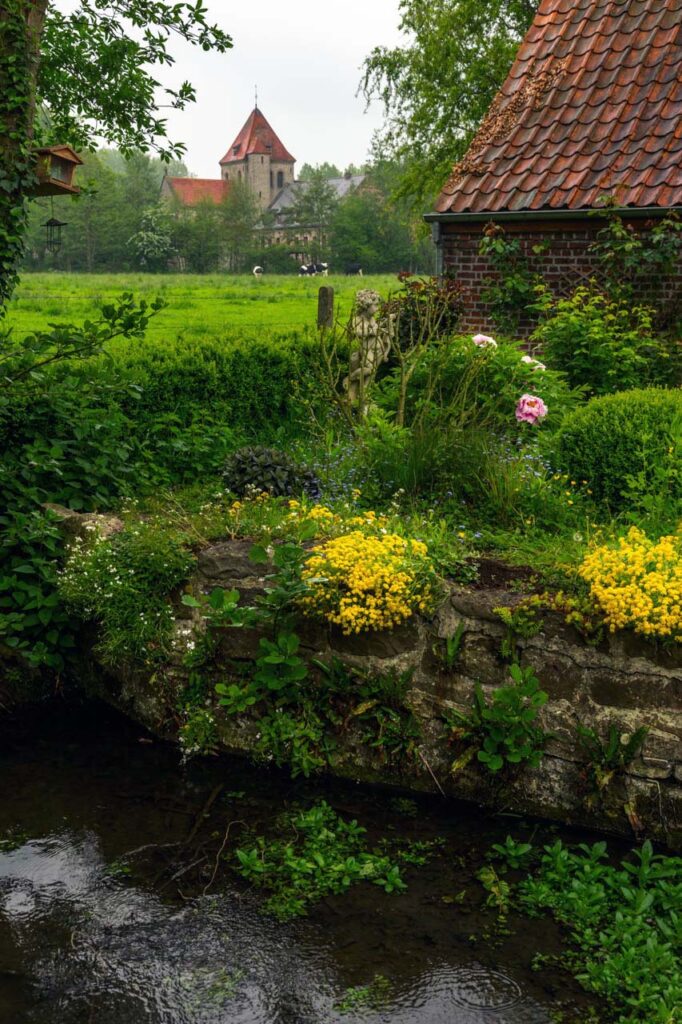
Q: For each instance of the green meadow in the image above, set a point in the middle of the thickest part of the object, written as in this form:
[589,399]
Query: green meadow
[198,305]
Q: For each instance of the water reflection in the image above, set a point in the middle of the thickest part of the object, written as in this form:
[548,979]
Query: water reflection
[83,940]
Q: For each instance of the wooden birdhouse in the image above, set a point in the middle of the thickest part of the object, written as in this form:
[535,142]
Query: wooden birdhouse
[55,170]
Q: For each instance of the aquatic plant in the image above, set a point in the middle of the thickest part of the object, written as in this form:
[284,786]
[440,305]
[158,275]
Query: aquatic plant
[322,854]
[622,925]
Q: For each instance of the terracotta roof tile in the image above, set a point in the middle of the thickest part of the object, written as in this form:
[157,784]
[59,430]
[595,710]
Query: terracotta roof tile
[594,100]
[257,136]
[192,191]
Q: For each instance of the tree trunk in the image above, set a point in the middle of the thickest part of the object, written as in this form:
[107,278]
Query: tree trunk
[21,27]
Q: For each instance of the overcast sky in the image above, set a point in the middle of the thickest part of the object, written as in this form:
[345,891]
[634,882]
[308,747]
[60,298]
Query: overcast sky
[305,57]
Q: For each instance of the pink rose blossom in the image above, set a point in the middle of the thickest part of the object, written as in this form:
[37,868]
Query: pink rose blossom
[530,409]
[483,341]
[535,363]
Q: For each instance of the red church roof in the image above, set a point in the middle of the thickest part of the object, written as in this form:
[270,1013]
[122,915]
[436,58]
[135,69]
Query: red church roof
[257,136]
[592,105]
[193,191]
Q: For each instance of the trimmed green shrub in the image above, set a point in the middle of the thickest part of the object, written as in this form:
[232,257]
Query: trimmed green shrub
[625,442]
[606,345]
[253,384]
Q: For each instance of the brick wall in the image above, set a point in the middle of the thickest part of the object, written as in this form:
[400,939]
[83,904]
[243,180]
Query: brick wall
[566,264]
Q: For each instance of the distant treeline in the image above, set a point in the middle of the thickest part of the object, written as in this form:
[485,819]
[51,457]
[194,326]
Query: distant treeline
[118,223]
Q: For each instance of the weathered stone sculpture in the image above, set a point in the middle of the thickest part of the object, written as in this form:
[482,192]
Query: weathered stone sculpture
[373,345]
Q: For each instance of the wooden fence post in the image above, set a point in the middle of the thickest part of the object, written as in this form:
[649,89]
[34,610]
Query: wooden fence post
[325,307]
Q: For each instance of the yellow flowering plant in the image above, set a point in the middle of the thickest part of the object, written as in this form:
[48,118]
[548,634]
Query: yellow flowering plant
[638,584]
[361,581]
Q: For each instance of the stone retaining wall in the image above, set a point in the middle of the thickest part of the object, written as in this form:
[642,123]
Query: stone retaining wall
[622,682]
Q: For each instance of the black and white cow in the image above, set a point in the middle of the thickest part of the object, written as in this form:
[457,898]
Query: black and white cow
[313,269]
[258,272]
[354,270]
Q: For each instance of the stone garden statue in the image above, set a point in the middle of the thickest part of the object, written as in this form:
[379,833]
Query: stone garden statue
[373,344]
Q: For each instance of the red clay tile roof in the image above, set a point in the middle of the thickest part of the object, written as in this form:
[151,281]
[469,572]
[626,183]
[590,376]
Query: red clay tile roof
[592,105]
[257,136]
[192,191]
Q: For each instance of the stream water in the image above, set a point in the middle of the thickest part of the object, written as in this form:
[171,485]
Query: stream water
[104,919]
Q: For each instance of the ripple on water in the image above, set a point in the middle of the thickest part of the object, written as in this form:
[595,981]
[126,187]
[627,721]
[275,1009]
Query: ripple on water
[486,989]
[466,994]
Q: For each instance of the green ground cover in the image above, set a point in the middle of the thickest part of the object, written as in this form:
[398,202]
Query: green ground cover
[463,439]
[199,306]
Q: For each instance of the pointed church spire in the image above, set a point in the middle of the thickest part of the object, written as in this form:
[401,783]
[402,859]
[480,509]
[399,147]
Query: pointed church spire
[257,136]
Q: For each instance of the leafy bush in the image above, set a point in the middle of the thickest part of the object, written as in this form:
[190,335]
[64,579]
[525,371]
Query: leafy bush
[255,385]
[257,470]
[123,584]
[65,439]
[614,441]
[638,584]
[460,427]
[399,460]
[82,429]
[424,305]
[458,382]
[33,621]
[604,344]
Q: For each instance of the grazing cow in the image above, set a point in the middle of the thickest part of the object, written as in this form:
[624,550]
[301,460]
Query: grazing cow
[258,272]
[354,270]
[313,269]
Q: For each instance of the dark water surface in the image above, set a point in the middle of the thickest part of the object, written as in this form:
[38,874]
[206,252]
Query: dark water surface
[95,822]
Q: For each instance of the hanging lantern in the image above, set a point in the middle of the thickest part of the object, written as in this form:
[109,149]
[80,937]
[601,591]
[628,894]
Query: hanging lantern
[53,234]
[55,170]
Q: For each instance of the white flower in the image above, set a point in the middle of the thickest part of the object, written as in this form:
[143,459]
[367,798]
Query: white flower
[535,363]
[484,341]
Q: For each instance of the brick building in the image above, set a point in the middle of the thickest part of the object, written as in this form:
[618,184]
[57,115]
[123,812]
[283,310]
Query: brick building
[260,159]
[591,107]
[257,157]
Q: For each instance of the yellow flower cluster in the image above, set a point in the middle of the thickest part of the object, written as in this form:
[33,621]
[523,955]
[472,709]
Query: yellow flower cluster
[638,584]
[330,523]
[361,582]
[318,514]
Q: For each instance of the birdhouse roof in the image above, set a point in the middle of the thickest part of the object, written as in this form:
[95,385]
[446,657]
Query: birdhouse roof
[64,152]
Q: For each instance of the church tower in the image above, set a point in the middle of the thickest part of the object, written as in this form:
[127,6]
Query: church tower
[259,158]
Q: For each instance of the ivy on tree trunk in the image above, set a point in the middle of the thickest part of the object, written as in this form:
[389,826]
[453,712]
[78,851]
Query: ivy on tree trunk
[21,26]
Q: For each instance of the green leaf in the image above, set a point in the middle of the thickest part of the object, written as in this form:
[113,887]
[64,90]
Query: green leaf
[259,555]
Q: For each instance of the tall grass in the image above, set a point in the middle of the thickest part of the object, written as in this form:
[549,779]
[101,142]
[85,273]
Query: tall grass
[206,305]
